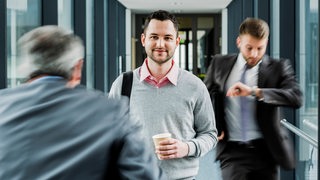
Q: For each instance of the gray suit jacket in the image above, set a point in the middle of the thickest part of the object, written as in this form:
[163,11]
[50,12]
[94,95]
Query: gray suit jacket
[280,88]
[48,131]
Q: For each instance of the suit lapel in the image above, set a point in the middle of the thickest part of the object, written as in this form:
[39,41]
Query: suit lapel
[263,71]
[227,67]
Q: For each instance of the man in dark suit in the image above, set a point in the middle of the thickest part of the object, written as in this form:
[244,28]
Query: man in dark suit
[247,90]
[53,128]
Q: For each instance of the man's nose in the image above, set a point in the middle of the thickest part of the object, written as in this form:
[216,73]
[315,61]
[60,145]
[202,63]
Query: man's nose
[254,53]
[160,42]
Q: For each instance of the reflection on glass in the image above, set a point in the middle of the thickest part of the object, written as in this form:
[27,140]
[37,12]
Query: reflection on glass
[22,16]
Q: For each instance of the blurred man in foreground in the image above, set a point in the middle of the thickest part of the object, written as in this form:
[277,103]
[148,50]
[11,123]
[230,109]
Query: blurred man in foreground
[53,128]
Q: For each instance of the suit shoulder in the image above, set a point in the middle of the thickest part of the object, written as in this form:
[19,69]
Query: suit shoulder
[225,56]
[222,58]
[273,59]
[283,61]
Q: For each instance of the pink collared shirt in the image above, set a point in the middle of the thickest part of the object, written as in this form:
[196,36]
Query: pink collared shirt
[171,76]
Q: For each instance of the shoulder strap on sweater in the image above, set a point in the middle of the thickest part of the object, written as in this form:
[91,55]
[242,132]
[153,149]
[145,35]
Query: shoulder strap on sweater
[127,83]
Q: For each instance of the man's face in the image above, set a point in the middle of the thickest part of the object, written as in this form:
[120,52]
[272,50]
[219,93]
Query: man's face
[252,48]
[160,40]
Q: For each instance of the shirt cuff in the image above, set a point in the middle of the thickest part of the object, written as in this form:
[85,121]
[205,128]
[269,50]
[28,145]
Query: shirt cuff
[192,148]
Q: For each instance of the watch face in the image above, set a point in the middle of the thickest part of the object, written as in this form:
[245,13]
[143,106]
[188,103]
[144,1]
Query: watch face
[253,91]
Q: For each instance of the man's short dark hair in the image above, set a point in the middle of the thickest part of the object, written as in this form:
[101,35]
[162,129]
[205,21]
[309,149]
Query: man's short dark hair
[161,15]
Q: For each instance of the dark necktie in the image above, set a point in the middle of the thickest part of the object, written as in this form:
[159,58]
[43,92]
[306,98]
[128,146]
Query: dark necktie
[244,106]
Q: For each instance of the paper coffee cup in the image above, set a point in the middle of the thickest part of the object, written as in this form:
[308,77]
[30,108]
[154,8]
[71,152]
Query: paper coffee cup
[160,137]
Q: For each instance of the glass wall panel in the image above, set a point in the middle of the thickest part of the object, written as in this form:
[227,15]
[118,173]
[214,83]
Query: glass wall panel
[22,16]
[65,14]
[275,29]
[307,61]
[90,44]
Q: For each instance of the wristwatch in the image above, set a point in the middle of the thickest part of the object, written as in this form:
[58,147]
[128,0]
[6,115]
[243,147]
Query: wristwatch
[253,91]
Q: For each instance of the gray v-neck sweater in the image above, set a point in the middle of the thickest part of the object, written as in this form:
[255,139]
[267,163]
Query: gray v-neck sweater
[184,110]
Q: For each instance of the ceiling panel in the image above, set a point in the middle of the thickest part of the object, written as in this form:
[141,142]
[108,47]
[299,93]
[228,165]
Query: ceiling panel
[176,6]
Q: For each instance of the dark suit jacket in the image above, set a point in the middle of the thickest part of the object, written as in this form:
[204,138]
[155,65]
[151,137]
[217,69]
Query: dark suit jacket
[279,87]
[48,131]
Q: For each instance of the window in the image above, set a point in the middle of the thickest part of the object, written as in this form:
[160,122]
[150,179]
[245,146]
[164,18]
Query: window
[65,14]
[307,64]
[90,44]
[22,16]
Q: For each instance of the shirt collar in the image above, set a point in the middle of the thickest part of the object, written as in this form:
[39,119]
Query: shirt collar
[48,78]
[172,75]
[241,62]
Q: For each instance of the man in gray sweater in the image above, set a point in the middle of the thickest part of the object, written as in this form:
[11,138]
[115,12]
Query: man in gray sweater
[166,98]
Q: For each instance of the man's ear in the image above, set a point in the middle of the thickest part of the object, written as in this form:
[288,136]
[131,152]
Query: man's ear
[76,74]
[178,40]
[238,42]
[142,38]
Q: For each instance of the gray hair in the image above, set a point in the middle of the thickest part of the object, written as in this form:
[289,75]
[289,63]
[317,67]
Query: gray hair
[49,50]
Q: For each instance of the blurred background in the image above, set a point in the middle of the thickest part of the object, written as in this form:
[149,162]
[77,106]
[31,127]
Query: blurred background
[111,32]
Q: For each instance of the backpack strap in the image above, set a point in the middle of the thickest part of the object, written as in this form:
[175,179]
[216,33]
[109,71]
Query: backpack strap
[127,83]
